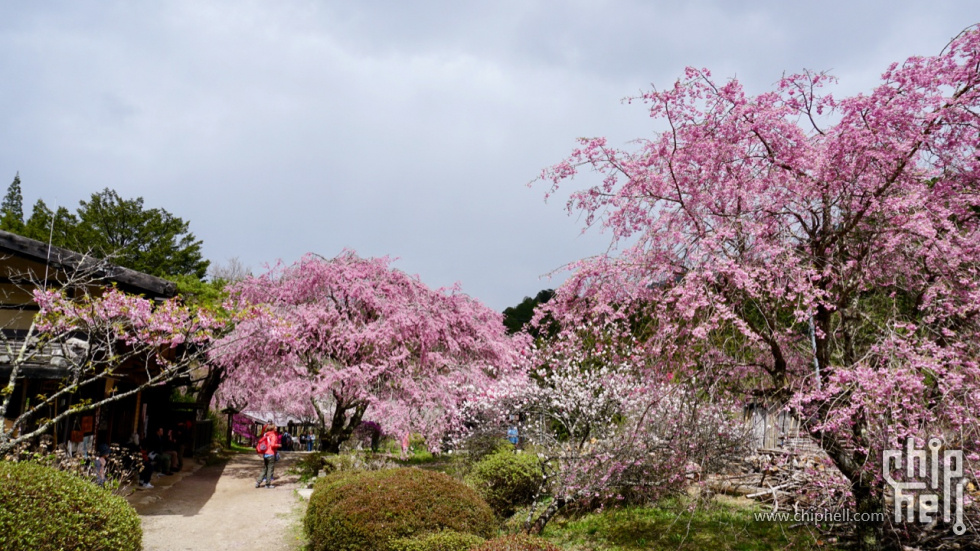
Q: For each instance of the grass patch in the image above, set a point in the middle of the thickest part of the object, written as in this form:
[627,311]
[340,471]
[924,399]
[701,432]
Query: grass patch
[239,448]
[445,464]
[295,537]
[716,526]
[417,458]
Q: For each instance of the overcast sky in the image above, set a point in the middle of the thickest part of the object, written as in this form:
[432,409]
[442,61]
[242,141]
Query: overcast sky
[401,128]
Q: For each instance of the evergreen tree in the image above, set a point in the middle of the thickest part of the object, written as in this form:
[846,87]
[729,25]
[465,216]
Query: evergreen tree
[12,208]
[152,241]
[39,227]
[517,317]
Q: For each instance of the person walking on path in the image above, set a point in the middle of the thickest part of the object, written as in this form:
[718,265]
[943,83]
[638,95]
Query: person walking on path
[267,447]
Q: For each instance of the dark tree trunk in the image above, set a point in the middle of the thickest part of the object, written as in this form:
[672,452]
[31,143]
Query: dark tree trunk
[556,505]
[210,385]
[341,425]
[870,535]
[821,337]
[322,422]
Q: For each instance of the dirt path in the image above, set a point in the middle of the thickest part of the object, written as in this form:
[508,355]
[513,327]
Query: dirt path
[218,508]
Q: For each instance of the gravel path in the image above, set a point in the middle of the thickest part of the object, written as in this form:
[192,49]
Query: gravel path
[217,508]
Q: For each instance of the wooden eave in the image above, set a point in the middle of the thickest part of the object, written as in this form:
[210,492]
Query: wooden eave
[67,261]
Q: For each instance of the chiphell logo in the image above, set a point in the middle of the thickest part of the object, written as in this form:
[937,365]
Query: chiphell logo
[926,482]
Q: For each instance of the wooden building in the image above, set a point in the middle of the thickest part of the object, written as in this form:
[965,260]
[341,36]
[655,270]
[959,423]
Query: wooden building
[26,264]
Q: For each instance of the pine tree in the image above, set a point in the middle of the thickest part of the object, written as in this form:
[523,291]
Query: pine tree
[12,208]
[152,241]
[39,226]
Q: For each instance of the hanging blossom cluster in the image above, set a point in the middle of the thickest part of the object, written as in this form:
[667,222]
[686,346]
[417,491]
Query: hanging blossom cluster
[347,338]
[93,336]
[909,388]
[819,252]
[124,318]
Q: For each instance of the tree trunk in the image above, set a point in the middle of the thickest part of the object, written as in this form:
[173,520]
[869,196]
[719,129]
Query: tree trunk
[870,535]
[210,385]
[821,323]
[556,505]
[322,423]
[342,426]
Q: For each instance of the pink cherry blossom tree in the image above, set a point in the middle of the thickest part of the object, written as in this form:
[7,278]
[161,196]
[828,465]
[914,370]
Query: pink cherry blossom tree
[821,252]
[349,337]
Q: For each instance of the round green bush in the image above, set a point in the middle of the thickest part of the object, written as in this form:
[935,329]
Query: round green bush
[446,540]
[481,445]
[518,542]
[368,511]
[506,480]
[45,509]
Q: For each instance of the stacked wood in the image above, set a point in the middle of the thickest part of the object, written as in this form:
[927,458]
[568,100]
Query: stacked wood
[779,478]
[798,481]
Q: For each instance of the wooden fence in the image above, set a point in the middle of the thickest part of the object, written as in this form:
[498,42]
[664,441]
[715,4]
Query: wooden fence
[772,428]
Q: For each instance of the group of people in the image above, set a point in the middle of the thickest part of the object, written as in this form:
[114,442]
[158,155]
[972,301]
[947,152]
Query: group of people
[308,441]
[305,441]
[162,451]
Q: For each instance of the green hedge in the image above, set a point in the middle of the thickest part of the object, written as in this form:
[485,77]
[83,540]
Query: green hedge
[44,509]
[506,480]
[438,541]
[518,542]
[354,511]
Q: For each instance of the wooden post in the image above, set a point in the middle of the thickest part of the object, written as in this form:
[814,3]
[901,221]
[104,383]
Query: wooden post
[229,411]
[136,417]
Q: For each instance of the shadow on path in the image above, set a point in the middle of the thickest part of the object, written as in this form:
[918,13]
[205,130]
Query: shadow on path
[187,496]
[218,508]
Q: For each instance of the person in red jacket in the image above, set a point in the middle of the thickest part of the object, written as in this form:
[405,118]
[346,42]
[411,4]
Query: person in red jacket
[267,447]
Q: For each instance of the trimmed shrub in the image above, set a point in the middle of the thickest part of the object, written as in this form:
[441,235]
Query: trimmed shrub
[438,541]
[506,480]
[44,509]
[518,542]
[354,511]
[481,445]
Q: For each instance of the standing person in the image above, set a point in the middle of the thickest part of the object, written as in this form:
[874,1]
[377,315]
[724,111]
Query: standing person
[171,447]
[101,462]
[513,435]
[267,447]
[310,441]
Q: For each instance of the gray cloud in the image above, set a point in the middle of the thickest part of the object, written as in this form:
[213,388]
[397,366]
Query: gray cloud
[401,128]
